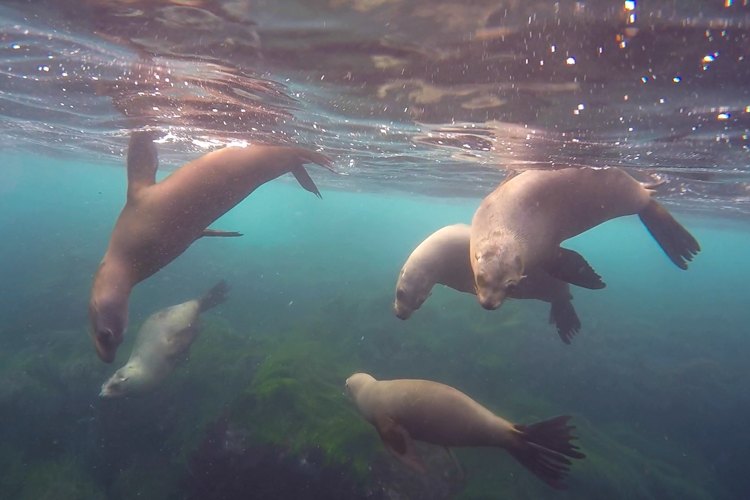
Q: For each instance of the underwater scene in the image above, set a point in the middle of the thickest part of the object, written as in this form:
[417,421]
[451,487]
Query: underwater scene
[374,249]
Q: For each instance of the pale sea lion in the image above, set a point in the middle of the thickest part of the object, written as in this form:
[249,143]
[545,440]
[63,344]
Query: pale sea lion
[163,341]
[521,224]
[422,410]
[443,257]
[161,220]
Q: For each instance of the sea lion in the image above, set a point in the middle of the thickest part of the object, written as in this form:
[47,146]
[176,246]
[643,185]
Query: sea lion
[161,220]
[163,341]
[403,410]
[443,257]
[521,224]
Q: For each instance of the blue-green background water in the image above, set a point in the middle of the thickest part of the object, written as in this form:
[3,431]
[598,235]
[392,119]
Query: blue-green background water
[655,380]
[423,105]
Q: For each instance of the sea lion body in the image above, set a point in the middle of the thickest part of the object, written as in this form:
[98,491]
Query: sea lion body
[163,341]
[443,257]
[521,224]
[423,410]
[161,220]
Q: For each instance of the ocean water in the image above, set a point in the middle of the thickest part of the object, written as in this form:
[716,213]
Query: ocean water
[423,106]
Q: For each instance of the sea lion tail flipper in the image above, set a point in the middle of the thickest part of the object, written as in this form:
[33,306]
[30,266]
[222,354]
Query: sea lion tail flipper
[215,296]
[398,441]
[545,449]
[653,186]
[219,233]
[571,267]
[563,315]
[309,156]
[679,245]
[306,181]
[142,161]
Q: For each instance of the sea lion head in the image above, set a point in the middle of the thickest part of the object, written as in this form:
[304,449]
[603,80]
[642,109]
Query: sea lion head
[356,382]
[108,319]
[498,269]
[412,290]
[125,381]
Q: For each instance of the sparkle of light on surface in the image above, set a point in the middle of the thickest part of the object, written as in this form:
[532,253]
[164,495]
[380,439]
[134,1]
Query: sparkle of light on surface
[570,61]
[677,79]
[629,4]
[723,116]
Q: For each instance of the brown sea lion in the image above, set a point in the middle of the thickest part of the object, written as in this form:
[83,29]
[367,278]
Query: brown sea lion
[161,220]
[521,224]
[163,341]
[443,257]
[404,410]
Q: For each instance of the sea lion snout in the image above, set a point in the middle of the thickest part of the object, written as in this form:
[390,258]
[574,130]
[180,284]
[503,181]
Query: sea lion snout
[400,311]
[491,301]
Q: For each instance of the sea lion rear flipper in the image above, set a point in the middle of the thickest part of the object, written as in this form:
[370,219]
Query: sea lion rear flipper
[306,181]
[564,317]
[398,441]
[679,245]
[215,296]
[218,233]
[142,161]
[571,267]
[545,449]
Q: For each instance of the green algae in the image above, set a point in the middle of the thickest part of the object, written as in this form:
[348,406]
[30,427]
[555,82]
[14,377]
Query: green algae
[286,388]
[60,478]
[297,399]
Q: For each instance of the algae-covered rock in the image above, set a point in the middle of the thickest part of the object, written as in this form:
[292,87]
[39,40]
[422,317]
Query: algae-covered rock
[297,399]
[62,478]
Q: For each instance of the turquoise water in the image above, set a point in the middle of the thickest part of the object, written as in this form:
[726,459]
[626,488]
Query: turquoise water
[655,380]
[424,106]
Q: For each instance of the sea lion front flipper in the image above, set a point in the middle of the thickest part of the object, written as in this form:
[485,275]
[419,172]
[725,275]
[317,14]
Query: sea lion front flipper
[571,267]
[563,315]
[398,441]
[459,467]
[218,233]
[142,161]
[679,245]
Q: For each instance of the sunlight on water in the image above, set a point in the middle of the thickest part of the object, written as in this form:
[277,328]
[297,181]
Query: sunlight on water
[424,107]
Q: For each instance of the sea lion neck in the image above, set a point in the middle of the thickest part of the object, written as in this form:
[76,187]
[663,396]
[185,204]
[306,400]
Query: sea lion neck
[108,308]
[112,280]
[142,162]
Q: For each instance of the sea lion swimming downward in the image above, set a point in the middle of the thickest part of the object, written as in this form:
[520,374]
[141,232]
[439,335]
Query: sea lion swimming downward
[163,341]
[404,410]
[520,225]
[161,220]
[443,257]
